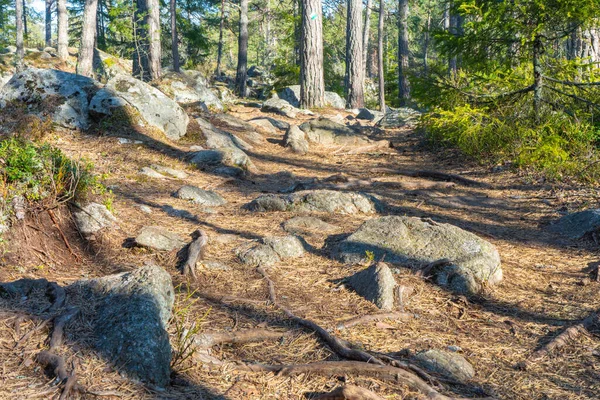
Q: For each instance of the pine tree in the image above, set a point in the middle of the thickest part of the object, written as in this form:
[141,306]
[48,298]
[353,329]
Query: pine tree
[312,85]
[242,66]
[355,71]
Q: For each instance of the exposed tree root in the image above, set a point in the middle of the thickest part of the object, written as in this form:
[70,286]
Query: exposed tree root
[433,175]
[365,319]
[195,250]
[56,364]
[62,235]
[350,392]
[563,338]
[59,326]
[26,337]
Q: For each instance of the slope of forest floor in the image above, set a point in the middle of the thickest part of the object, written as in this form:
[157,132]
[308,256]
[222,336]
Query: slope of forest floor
[546,284]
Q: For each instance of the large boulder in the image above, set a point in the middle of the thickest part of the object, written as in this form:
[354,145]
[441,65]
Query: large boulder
[109,66]
[4,78]
[468,261]
[61,94]
[330,201]
[216,138]
[577,225]
[307,225]
[157,238]
[154,106]
[271,250]
[223,156]
[281,107]
[189,87]
[326,132]
[132,314]
[295,139]
[291,94]
[398,118]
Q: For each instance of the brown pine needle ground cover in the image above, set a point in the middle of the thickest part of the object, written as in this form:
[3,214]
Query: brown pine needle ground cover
[546,286]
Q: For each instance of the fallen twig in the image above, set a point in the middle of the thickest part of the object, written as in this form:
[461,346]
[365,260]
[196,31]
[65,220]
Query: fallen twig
[365,319]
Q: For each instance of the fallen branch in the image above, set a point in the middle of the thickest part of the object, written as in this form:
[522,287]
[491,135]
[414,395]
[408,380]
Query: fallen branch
[350,392]
[195,250]
[562,339]
[365,319]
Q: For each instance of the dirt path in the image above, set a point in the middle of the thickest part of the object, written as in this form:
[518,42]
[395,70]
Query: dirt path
[545,285]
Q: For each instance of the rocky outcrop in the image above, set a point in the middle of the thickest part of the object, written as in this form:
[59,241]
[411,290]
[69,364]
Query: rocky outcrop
[308,226]
[132,313]
[281,107]
[465,260]
[271,250]
[326,132]
[155,107]
[577,225]
[330,201]
[295,139]
[61,94]
[189,87]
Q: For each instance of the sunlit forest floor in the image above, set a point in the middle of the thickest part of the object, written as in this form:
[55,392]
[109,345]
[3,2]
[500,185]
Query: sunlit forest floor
[546,285]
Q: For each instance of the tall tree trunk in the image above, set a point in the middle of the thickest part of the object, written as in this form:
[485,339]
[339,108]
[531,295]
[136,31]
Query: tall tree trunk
[380,72]
[453,61]
[366,32]
[297,31]
[48,23]
[25,30]
[174,38]
[63,28]
[242,66]
[538,82]
[312,83]
[85,60]
[147,55]
[355,71]
[101,28]
[426,41]
[403,53]
[220,48]
[19,40]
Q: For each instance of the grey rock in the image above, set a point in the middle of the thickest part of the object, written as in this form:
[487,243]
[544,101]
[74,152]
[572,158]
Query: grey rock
[93,218]
[376,284]
[326,132]
[189,87]
[264,125]
[280,107]
[369,115]
[415,242]
[109,66]
[151,173]
[9,50]
[155,107]
[217,138]
[213,265]
[308,225]
[234,172]
[133,310]
[65,94]
[200,196]
[227,156]
[255,72]
[258,255]
[295,139]
[45,56]
[330,201]
[577,225]
[157,238]
[281,125]
[448,364]
[228,121]
[285,246]
[145,209]
[398,118]
[4,78]
[175,173]
[291,94]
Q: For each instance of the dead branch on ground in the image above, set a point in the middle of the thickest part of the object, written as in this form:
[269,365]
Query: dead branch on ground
[365,319]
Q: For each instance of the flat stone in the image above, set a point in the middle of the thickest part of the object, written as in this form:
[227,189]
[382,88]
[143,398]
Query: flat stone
[213,265]
[448,364]
[281,125]
[308,225]
[264,125]
[200,196]
[226,156]
[409,241]
[151,173]
[93,218]
[376,284]
[285,246]
[157,238]
[280,107]
[231,122]
[258,255]
[175,173]
[326,132]
[330,201]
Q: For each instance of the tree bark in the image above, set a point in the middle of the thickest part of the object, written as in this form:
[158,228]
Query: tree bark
[312,83]
[538,82]
[355,71]
[63,27]
[380,71]
[48,23]
[403,53]
[242,66]
[147,55]
[25,30]
[220,48]
[19,40]
[366,32]
[85,59]
[426,41]
[174,38]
